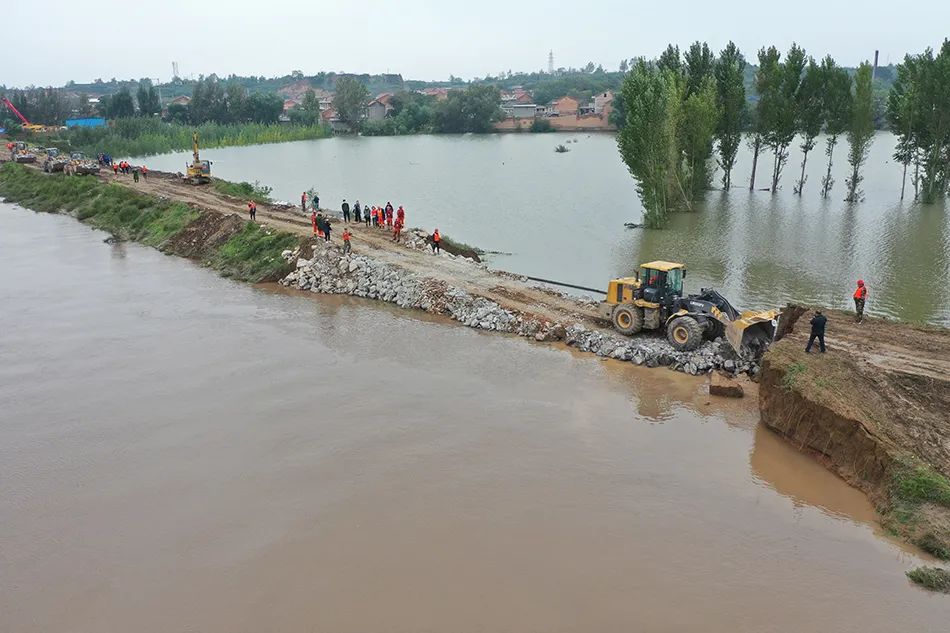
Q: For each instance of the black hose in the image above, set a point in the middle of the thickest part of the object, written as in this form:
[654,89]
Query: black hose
[560,283]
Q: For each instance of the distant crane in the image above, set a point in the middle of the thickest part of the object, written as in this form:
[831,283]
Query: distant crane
[26,124]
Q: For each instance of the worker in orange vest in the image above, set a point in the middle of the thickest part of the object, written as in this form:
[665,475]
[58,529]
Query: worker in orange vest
[346,241]
[436,242]
[860,296]
[145,173]
[252,210]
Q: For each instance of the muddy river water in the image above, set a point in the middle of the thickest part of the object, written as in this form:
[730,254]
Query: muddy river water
[561,216]
[179,452]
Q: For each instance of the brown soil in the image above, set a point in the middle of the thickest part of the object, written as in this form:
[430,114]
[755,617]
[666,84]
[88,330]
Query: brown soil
[204,235]
[880,395]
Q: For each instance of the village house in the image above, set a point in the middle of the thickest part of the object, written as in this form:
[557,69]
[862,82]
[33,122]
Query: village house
[601,100]
[379,108]
[565,106]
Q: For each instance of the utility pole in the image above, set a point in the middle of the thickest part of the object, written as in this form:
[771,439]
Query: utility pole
[551,62]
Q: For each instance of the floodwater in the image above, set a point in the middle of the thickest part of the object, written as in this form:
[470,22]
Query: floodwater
[179,452]
[561,216]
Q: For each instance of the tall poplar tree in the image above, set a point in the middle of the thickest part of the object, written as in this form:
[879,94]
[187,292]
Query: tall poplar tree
[811,115]
[836,97]
[861,130]
[729,71]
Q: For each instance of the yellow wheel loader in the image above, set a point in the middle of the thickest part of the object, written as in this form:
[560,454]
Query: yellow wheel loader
[653,300]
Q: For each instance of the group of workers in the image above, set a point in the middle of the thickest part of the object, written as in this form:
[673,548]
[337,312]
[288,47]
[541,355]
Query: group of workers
[819,320]
[381,217]
[124,167]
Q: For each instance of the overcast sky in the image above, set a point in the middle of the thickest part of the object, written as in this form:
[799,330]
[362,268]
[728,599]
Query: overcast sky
[426,39]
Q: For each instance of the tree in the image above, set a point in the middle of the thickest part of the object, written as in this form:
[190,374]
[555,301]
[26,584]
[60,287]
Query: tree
[147,97]
[811,113]
[860,130]
[767,80]
[670,60]
[474,109]
[624,65]
[85,108]
[836,103]
[350,101]
[698,66]
[120,105]
[648,143]
[698,121]
[729,71]
[901,104]
[778,83]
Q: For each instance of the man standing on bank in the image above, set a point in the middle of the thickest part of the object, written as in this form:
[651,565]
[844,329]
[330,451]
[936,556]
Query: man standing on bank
[860,296]
[817,332]
[346,211]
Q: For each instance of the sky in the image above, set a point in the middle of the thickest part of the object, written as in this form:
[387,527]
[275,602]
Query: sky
[430,40]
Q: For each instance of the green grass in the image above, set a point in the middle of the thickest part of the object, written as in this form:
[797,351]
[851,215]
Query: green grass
[933,578]
[794,371]
[254,254]
[247,191]
[121,211]
[915,482]
[143,136]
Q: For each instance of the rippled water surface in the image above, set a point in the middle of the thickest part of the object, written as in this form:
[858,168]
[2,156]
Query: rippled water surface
[561,216]
[179,452]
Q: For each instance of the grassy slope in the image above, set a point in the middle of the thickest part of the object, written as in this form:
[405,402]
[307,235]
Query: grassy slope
[252,254]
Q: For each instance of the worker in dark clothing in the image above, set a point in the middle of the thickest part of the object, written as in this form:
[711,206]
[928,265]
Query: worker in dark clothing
[817,332]
[326,230]
[356,213]
[346,211]
[860,296]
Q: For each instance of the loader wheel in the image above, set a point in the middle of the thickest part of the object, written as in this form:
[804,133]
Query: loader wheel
[627,319]
[684,334]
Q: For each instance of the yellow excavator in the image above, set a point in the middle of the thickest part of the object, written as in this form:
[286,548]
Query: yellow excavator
[653,300]
[199,171]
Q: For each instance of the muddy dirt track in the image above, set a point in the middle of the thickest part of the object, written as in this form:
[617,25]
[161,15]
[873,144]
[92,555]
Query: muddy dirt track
[505,289]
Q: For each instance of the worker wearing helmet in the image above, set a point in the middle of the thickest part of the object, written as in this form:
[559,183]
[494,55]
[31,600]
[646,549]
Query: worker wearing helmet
[860,295]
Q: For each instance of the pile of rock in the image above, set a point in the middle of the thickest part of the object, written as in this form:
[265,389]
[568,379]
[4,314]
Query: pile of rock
[329,271]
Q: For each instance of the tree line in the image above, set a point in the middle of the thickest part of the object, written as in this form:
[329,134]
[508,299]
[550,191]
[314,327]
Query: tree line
[472,109]
[678,109]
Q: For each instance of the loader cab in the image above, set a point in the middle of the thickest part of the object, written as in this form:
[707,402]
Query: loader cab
[661,281]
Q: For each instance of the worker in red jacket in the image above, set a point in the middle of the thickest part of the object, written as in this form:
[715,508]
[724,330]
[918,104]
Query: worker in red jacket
[860,296]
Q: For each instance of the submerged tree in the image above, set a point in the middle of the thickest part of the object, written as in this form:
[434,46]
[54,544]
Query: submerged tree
[730,97]
[697,133]
[648,142]
[810,114]
[836,98]
[767,82]
[778,96]
[860,130]
[901,102]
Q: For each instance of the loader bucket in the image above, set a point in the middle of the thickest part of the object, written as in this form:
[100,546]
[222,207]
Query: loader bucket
[752,333]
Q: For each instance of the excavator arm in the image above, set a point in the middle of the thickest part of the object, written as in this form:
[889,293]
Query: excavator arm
[16,112]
